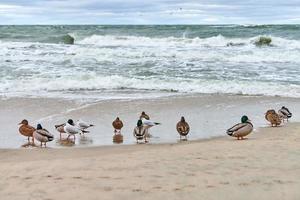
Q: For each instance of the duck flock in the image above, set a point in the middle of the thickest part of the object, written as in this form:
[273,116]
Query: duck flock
[141,131]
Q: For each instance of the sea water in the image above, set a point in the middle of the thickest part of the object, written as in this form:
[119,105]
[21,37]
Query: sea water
[121,62]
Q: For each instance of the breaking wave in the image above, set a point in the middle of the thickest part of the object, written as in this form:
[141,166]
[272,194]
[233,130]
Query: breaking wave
[215,41]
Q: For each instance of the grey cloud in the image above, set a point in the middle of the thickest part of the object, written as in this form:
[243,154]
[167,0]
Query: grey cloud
[148,12]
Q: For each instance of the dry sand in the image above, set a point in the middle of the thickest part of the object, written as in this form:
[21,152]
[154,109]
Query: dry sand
[265,166]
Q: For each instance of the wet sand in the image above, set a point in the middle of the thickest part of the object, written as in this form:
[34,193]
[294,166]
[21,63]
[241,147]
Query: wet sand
[208,115]
[265,166]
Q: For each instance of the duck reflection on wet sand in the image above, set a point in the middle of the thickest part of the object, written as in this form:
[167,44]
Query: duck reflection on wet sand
[66,142]
[118,138]
[28,145]
[85,140]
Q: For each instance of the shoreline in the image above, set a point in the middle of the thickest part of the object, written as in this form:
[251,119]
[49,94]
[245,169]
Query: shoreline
[209,116]
[257,130]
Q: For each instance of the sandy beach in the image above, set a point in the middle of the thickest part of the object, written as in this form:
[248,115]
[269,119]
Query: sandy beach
[265,166]
[171,59]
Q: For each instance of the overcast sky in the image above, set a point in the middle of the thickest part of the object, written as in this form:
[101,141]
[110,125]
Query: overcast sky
[149,11]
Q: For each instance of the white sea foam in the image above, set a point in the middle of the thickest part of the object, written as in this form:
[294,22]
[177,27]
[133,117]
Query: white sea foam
[120,84]
[119,65]
[215,41]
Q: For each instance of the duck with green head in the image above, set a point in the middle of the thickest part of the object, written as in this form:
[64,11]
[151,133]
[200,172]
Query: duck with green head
[42,135]
[140,131]
[242,129]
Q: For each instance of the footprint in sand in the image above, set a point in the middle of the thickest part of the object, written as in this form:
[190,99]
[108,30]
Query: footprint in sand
[14,176]
[77,177]
[210,186]
[157,176]
[137,190]
[268,183]
[243,184]
[105,177]
[157,188]
[118,178]
[190,186]
[176,189]
[200,158]
[278,181]
[255,181]
[188,174]
[224,183]
[107,189]
[173,173]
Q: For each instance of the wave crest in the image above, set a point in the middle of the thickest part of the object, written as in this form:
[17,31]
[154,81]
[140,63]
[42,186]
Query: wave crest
[139,85]
[215,41]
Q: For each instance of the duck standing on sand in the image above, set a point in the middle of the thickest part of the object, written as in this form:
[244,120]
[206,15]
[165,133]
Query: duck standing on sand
[284,113]
[118,125]
[140,132]
[60,129]
[183,128]
[242,129]
[26,130]
[42,135]
[82,125]
[71,129]
[273,117]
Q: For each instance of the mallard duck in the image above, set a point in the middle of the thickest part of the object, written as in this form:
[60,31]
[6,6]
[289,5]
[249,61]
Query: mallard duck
[118,125]
[284,113]
[42,135]
[26,130]
[71,129]
[82,125]
[183,128]
[144,115]
[140,132]
[273,117]
[60,129]
[242,129]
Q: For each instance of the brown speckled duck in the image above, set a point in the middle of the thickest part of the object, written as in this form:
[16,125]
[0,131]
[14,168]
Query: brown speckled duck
[183,128]
[118,125]
[273,117]
[26,130]
[145,116]
[61,129]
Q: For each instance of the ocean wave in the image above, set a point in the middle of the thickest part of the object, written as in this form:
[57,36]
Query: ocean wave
[85,84]
[129,64]
[215,41]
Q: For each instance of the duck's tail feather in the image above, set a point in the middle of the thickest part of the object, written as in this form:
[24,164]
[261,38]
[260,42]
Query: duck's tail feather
[229,132]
